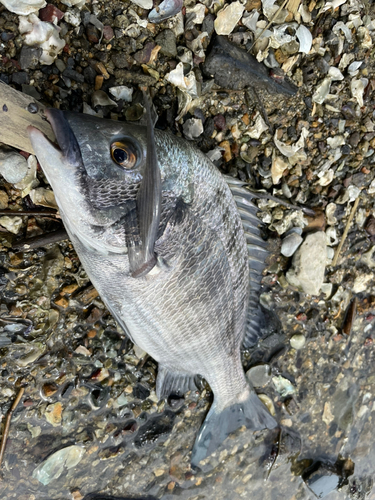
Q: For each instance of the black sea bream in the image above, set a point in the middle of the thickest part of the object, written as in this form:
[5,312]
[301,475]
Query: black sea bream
[174,252]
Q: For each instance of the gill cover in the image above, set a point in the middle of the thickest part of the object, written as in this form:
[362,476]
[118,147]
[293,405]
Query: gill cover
[141,253]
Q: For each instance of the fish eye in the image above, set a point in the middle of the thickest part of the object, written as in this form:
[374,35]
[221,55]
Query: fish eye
[124,154]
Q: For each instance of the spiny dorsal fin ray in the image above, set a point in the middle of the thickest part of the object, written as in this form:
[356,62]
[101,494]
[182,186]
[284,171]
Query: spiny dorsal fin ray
[257,252]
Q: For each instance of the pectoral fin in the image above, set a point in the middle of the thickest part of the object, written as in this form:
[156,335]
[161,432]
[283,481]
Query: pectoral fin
[142,256]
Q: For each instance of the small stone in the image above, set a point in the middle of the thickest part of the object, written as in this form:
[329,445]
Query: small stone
[297,341]
[62,302]
[148,54]
[60,65]
[49,389]
[50,14]
[4,200]
[290,244]
[29,57]
[92,33]
[193,128]
[234,68]
[99,79]
[227,151]
[228,17]
[159,472]
[12,223]
[74,75]
[53,414]
[309,263]
[52,468]
[68,289]
[108,33]
[167,41]
[121,21]
[283,386]
[20,78]
[122,60]
[259,375]
[73,17]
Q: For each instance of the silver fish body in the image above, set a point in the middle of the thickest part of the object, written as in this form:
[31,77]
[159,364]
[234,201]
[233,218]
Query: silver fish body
[190,309]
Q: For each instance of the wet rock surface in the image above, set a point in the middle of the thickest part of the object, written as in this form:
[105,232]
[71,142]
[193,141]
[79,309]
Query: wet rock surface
[89,424]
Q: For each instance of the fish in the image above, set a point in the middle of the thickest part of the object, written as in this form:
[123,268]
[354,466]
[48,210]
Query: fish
[174,250]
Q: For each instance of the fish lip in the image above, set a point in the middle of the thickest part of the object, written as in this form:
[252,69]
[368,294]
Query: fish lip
[66,140]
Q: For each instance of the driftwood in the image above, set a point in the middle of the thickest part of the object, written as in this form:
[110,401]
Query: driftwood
[17,112]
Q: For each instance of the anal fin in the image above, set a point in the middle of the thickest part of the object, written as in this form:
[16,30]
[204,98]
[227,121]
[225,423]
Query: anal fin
[172,382]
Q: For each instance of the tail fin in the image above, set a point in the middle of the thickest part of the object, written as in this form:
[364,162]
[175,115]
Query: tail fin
[219,424]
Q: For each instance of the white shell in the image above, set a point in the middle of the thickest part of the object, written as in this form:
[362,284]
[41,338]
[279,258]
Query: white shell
[44,35]
[305,39]
[23,7]
[228,17]
[122,92]
[289,150]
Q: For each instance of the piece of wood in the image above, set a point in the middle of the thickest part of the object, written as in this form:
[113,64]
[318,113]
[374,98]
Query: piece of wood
[15,118]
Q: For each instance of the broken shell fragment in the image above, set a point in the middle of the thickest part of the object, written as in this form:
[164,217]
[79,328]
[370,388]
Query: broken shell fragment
[144,4]
[23,7]
[54,465]
[122,92]
[305,39]
[186,83]
[289,150]
[357,88]
[168,8]
[193,128]
[42,34]
[100,98]
[228,17]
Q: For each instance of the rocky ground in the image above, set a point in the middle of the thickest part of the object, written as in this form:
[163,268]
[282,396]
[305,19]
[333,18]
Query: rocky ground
[89,420]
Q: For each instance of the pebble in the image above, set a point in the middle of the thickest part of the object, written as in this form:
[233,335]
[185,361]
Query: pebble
[29,57]
[4,200]
[73,75]
[167,41]
[283,386]
[20,78]
[309,263]
[12,223]
[259,375]
[193,128]
[290,244]
[51,14]
[52,468]
[297,341]
[234,68]
[13,166]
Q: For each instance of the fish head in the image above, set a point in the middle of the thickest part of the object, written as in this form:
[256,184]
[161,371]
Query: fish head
[95,170]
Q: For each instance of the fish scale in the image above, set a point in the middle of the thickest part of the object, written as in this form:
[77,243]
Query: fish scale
[190,309]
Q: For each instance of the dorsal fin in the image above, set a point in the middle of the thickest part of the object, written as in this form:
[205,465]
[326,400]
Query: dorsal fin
[257,252]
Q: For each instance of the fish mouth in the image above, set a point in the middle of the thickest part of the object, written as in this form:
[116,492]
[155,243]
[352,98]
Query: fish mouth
[66,140]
